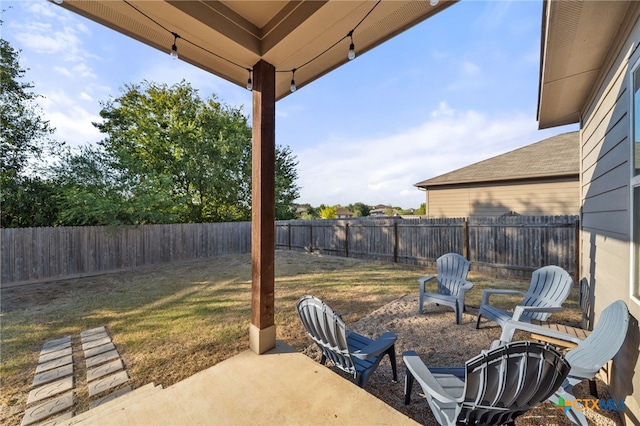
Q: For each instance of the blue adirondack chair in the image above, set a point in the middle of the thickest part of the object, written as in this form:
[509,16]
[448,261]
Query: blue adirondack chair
[549,288]
[591,354]
[452,284]
[494,387]
[347,350]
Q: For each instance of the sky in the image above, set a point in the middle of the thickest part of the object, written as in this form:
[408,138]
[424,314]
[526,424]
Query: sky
[453,90]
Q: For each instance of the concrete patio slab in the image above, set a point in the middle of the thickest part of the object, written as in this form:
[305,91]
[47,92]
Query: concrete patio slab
[54,355]
[92,337]
[103,370]
[56,342]
[92,331]
[46,409]
[99,350]
[57,420]
[94,343]
[108,382]
[279,387]
[54,348]
[49,390]
[113,395]
[51,375]
[102,358]
[54,364]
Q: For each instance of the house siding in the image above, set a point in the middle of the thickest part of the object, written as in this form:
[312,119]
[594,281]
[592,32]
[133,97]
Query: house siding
[542,197]
[605,197]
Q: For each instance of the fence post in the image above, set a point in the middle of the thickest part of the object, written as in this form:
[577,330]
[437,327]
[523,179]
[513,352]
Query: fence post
[289,236]
[311,238]
[465,239]
[346,240]
[395,242]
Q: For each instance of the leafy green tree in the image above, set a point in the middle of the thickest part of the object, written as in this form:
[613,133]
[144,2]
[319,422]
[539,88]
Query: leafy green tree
[328,212]
[359,209]
[24,139]
[422,210]
[197,152]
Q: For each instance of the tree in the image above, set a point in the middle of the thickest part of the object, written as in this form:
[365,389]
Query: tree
[359,209]
[422,210]
[196,152]
[26,199]
[328,212]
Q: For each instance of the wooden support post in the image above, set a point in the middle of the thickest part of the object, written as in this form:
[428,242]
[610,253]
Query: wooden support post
[289,236]
[262,335]
[576,260]
[395,242]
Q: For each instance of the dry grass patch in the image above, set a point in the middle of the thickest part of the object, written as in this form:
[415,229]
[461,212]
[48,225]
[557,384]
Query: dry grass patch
[172,321]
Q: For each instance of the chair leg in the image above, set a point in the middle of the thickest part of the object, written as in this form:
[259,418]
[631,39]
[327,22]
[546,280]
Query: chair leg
[593,389]
[408,384]
[478,321]
[392,358]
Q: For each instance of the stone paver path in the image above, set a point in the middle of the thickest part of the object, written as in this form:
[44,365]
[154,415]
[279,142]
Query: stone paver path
[51,399]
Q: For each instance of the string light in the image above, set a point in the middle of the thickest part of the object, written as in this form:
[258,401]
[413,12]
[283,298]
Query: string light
[434,2]
[58,1]
[293,80]
[249,81]
[174,48]
[352,48]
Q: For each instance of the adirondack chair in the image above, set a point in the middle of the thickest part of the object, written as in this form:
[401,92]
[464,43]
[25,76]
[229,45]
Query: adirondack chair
[494,387]
[549,288]
[591,354]
[347,350]
[452,284]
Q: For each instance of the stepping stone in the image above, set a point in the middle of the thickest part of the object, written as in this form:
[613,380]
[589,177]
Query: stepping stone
[51,375]
[104,369]
[110,397]
[94,343]
[56,345]
[107,383]
[50,390]
[57,420]
[93,331]
[102,358]
[49,408]
[92,337]
[54,364]
[54,355]
[98,350]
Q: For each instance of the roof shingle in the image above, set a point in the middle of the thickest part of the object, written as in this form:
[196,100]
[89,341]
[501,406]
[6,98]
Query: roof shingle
[555,156]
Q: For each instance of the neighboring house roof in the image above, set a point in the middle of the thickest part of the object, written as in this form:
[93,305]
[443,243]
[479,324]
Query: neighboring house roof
[341,211]
[552,157]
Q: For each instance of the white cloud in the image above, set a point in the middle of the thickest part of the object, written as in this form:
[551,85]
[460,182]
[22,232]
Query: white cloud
[384,170]
[70,119]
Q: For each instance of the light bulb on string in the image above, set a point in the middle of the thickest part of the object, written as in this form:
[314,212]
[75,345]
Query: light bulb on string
[352,48]
[174,48]
[293,80]
[249,81]
[434,2]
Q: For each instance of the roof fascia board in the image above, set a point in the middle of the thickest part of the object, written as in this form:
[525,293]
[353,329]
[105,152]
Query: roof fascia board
[519,180]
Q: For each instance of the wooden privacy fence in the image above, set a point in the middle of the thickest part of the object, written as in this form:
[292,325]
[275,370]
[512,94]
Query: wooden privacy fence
[504,246]
[510,246]
[39,254]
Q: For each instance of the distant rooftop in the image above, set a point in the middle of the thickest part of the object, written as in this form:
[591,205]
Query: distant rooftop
[553,157]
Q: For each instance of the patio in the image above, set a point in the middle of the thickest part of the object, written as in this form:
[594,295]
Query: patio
[281,386]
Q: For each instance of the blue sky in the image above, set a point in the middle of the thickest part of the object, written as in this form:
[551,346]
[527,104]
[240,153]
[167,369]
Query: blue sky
[458,88]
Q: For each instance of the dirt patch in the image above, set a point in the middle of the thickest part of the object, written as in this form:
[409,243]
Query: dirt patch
[435,336]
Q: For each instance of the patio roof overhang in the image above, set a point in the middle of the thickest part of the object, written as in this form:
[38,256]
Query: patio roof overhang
[228,37]
[271,37]
[577,38]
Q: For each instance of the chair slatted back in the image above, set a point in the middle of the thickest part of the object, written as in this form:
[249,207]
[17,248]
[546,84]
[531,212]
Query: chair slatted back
[550,287]
[604,342]
[328,330]
[452,273]
[506,382]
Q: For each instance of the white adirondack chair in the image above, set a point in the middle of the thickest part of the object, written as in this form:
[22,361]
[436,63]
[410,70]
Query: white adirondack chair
[549,288]
[591,354]
[494,387]
[347,350]
[452,284]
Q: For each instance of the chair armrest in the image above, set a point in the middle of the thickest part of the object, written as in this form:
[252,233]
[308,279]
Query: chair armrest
[510,326]
[487,293]
[378,346]
[519,310]
[468,285]
[422,375]
[423,281]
